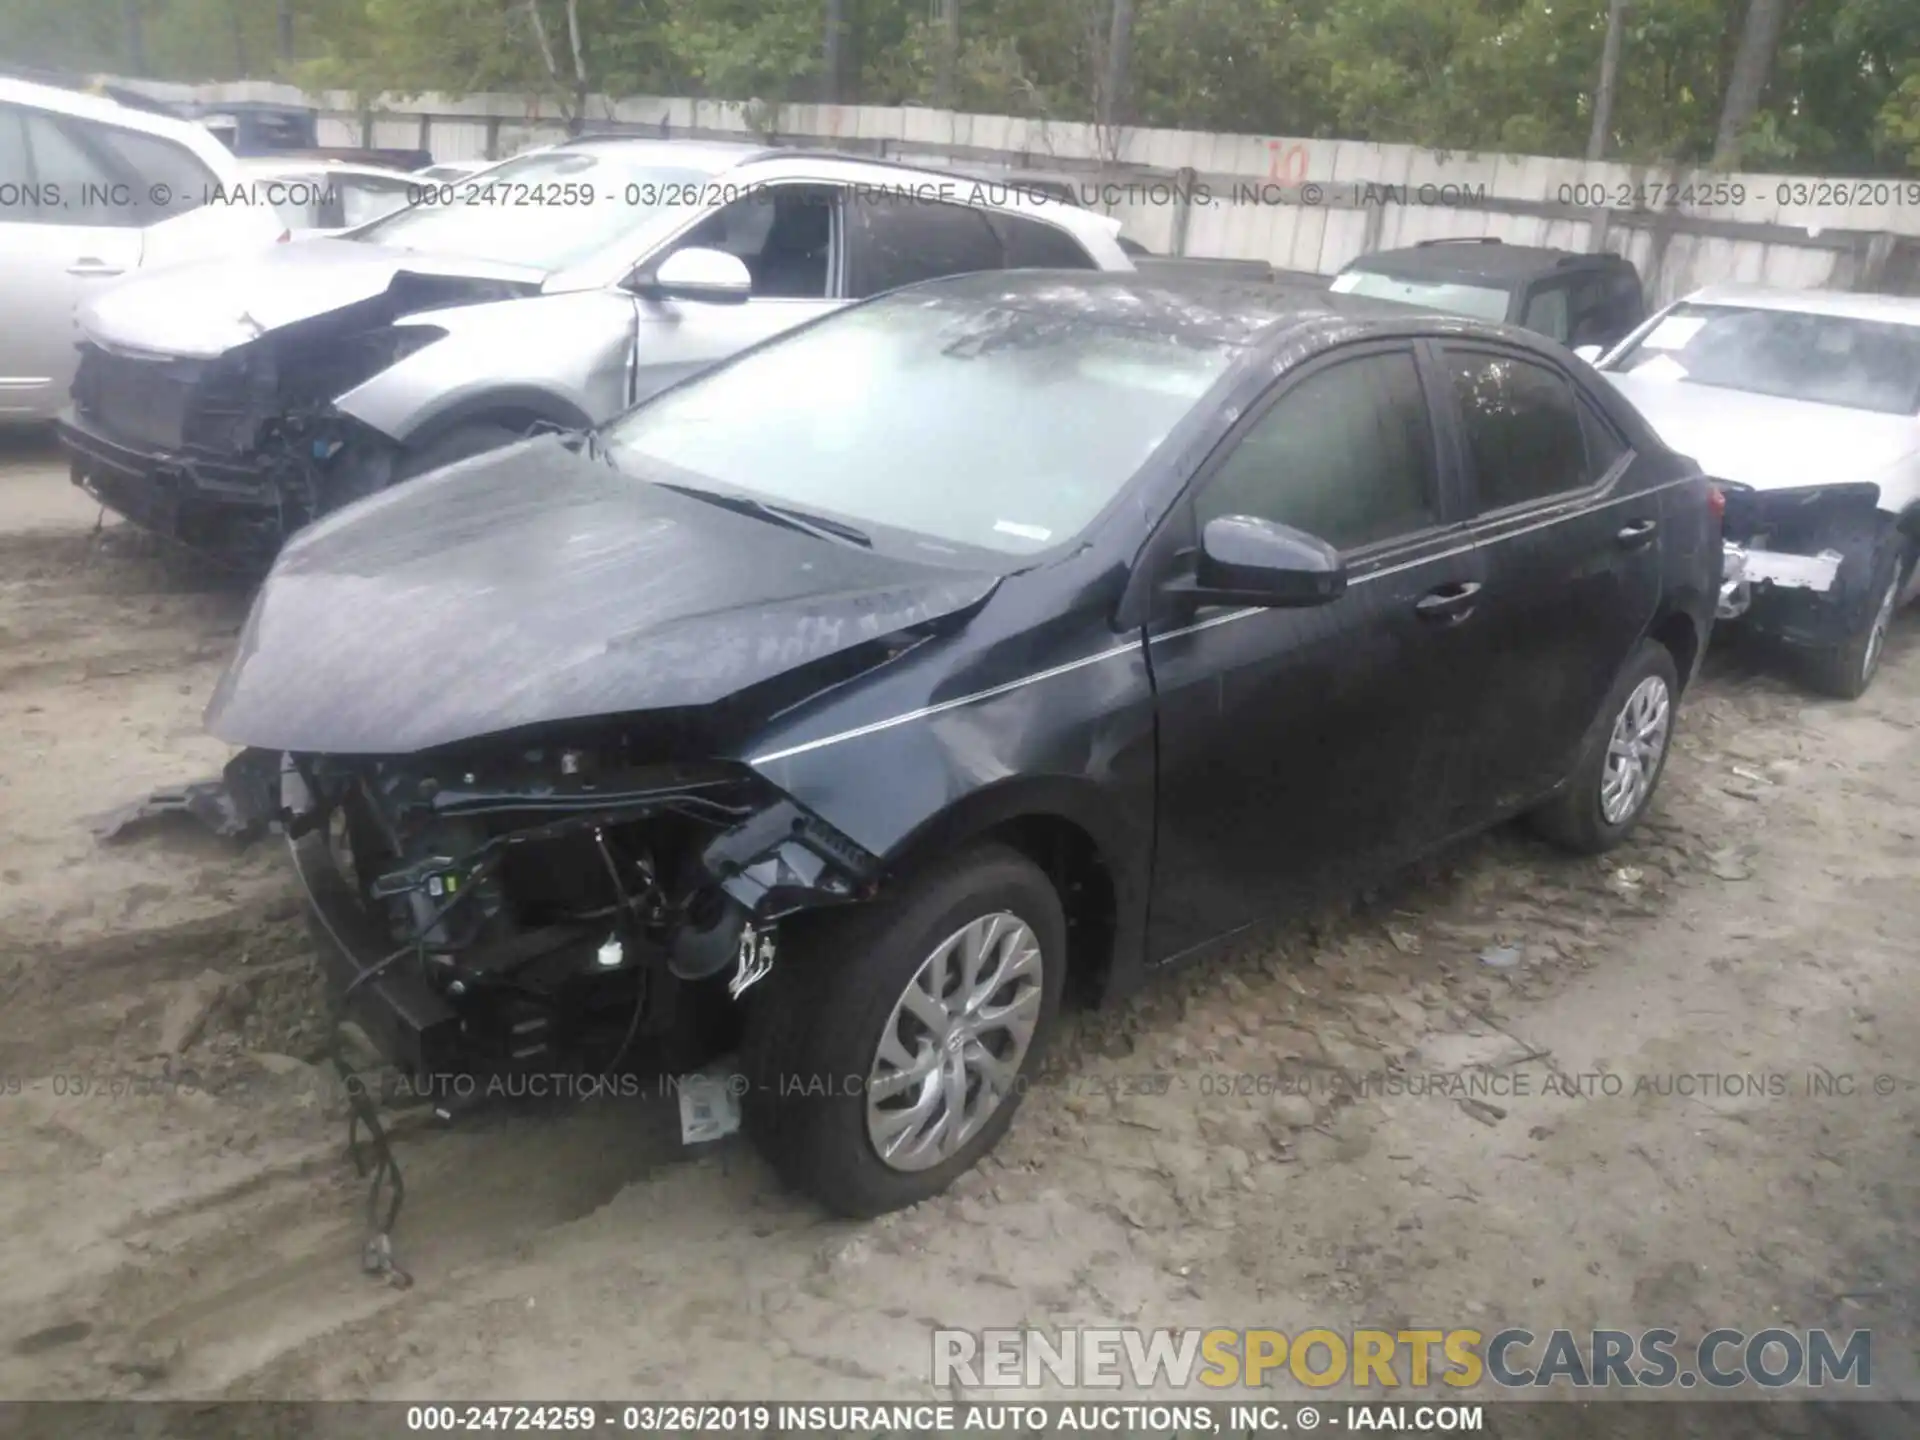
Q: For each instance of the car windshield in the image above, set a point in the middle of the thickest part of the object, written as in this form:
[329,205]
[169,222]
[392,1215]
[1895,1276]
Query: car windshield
[964,424]
[1483,302]
[1827,359]
[546,211]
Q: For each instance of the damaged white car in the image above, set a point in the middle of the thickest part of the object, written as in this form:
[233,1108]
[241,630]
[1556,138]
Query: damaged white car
[1806,406]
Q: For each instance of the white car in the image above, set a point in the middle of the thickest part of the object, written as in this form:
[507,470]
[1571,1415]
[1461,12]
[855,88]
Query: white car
[455,169]
[1806,405]
[324,197]
[92,190]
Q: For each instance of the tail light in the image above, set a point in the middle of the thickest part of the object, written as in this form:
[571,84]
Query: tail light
[1717,502]
[285,236]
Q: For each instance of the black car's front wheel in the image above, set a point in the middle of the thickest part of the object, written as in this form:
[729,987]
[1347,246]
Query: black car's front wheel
[1621,762]
[891,1045]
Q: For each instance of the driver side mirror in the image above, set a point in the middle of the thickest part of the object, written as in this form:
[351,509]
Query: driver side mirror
[697,273]
[1248,561]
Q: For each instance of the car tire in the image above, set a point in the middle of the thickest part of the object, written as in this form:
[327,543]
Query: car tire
[462,442]
[823,1093]
[1845,669]
[1620,762]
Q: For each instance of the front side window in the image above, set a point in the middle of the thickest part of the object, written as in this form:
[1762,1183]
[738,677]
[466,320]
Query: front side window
[1346,454]
[1827,359]
[783,235]
[1482,302]
[1522,428]
[957,424]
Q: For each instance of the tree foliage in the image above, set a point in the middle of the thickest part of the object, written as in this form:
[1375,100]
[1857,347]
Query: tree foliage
[1841,93]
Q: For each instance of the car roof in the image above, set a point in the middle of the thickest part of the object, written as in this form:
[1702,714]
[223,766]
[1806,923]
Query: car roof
[59,100]
[1492,261]
[1205,308]
[849,168]
[1854,305]
[292,166]
[714,155]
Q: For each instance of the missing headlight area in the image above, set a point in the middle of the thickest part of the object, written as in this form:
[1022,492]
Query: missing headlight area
[230,454]
[557,912]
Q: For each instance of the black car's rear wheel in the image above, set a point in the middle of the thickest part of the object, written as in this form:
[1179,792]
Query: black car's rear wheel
[890,1047]
[1621,762]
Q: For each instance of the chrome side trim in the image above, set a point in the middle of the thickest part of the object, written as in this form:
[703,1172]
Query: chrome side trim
[1131,647]
[807,747]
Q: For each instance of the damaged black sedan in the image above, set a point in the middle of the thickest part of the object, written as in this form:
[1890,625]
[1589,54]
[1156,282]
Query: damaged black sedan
[991,641]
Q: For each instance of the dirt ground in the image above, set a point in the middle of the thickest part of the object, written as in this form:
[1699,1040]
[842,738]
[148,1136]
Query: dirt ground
[178,1217]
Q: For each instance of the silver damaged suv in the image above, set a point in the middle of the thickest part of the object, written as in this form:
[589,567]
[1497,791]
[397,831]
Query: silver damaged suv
[225,404]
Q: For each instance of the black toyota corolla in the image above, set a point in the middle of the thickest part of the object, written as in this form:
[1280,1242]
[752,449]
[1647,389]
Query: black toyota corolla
[993,640]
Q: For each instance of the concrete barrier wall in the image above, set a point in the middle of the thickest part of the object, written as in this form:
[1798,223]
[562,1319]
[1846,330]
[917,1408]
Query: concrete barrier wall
[1299,204]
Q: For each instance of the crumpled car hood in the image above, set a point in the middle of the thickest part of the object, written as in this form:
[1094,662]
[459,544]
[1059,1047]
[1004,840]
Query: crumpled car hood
[1769,443]
[205,308]
[534,585]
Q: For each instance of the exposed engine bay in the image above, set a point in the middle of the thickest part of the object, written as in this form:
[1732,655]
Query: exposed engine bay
[560,912]
[548,910]
[232,454]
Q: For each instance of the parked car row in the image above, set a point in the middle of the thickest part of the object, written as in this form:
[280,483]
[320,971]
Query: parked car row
[767,606]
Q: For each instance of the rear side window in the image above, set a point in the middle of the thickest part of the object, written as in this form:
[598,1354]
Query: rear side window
[1035,245]
[168,179]
[1522,428]
[1604,446]
[897,240]
[1549,311]
[1346,455]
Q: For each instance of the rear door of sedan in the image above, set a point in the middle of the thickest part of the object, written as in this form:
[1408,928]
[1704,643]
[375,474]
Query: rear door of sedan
[1573,565]
[1302,748]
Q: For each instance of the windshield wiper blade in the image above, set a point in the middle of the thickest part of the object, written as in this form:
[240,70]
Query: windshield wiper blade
[818,526]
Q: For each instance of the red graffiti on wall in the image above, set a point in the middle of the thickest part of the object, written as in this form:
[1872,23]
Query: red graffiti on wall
[1286,163]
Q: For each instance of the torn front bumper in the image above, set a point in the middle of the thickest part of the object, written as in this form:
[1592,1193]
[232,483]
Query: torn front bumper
[224,508]
[1742,569]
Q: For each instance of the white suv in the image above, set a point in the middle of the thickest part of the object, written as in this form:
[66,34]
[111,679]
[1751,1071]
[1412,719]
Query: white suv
[90,190]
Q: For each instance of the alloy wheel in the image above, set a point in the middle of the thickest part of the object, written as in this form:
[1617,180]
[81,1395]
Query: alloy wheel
[951,1052]
[1634,750]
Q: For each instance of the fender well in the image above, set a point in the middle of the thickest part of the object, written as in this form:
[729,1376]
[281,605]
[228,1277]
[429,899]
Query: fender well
[520,407]
[1068,830]
[1677,630]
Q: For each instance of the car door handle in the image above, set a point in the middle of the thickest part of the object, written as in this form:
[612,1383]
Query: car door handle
[1449,603]
[1633,536]
[87,265]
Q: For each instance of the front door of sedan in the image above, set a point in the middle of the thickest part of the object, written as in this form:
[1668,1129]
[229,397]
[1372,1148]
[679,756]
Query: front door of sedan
[1302,748]
[1573,580]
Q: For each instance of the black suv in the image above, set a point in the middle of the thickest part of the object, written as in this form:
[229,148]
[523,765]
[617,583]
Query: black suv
[1579,300]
